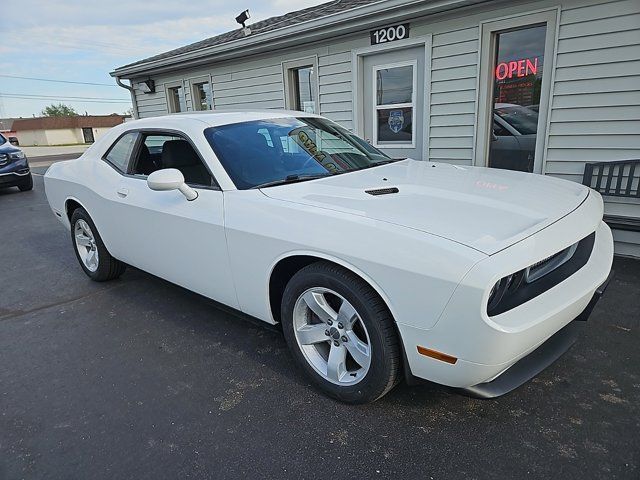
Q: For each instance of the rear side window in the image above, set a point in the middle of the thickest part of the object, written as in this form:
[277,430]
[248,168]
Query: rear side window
[120,152]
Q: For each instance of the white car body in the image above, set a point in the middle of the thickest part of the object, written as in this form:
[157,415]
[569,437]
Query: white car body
[433,251]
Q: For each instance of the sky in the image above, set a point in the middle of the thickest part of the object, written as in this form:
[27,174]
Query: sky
[82,41]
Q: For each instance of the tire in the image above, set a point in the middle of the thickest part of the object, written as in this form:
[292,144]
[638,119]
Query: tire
[26,184]
[354,381]
[104,267]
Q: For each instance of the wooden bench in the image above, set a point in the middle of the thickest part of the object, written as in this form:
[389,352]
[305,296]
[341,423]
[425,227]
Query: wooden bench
[616,179]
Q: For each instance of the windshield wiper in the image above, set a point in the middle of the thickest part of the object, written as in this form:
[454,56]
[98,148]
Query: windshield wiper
[371,165]
[291,179]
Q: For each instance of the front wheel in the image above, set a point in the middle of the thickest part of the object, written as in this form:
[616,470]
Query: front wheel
[26,184]
[91,253]
[341,333]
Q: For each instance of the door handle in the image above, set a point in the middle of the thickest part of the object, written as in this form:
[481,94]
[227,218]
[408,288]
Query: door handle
[123,192]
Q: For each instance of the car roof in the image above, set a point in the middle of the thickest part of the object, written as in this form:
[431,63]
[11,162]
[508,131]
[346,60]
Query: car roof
[219,117]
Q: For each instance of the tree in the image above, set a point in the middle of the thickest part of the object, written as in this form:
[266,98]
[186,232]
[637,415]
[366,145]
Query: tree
[59,110]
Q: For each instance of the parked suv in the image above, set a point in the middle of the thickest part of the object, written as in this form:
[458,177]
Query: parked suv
[14,167]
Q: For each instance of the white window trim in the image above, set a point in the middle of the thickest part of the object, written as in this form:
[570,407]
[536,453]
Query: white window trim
[193,82]
[485,81]
[412,105]
[288,85]
[170,101]
[357,69]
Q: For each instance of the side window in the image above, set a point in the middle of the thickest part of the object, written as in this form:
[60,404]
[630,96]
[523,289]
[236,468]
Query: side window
[158,151]
[120,152]
[499,130]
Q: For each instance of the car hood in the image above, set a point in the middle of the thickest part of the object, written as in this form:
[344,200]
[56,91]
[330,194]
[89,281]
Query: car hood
[482,208]
[8,148]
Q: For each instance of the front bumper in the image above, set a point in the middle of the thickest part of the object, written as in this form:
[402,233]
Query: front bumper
[14,172]
[11,179]
[542,357]
[486,347]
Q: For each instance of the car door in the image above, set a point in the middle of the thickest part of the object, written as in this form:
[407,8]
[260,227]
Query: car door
[165,234]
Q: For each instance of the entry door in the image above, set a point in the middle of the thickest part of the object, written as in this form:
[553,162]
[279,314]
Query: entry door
[87,133]
[393,100]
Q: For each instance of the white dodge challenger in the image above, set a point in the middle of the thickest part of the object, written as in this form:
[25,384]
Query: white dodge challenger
[377,269]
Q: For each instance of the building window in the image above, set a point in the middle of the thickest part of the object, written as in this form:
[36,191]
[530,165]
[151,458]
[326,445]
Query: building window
[301,85]
[394,105]
[202,95]
[515,87]
[176,101]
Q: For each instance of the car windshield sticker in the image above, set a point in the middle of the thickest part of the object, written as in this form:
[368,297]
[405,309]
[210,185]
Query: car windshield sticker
[304,140]
[396,120]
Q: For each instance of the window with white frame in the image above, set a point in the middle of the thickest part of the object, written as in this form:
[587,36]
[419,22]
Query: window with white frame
[176,101]
[202,94]
[301,85]
[394,105]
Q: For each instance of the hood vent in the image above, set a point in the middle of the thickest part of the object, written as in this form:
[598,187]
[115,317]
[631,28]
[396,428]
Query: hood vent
[382,191]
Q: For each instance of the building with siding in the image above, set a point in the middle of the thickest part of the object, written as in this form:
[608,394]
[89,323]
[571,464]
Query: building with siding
[39,131]
[542,86]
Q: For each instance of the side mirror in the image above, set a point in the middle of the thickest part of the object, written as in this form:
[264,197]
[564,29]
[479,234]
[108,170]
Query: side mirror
[170,179]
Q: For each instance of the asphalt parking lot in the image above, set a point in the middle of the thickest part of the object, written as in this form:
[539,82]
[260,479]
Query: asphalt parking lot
[140,379]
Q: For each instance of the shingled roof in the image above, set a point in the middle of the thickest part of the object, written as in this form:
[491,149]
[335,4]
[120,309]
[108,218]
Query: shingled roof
[270,24]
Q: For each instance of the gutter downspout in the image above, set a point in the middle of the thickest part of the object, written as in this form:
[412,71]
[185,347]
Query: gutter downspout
[133,96]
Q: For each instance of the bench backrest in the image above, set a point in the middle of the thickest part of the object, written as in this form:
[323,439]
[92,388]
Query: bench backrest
[616,179]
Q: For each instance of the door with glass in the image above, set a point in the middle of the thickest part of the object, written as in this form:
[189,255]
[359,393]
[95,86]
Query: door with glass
[393,99]
[516,60]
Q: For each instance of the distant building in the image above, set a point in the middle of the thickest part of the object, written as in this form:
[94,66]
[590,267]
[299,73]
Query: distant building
[6,127]
[63,130]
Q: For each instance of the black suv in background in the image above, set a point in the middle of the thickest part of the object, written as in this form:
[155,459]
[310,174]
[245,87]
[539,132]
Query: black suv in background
[14,167]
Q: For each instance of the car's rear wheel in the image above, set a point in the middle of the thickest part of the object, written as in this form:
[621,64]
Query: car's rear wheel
[91,253]
[26,184]
[341,333]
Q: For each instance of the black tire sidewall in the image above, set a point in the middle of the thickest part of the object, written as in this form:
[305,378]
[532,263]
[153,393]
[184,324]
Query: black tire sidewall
[375,383]
[26,184]
[104,270]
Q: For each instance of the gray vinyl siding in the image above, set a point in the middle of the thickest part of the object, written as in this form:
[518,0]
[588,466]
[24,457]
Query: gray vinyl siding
[595,109]
[454,70]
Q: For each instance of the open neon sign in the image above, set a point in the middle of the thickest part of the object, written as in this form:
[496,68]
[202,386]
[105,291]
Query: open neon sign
[517,68]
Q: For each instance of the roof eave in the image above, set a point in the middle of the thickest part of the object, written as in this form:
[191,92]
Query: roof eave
[338,23]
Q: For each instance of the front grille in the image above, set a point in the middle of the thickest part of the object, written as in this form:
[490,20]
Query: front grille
[549,264]
[542,276]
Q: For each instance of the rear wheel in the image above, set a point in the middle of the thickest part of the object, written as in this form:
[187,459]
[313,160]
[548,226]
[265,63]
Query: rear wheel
[26,184]
[91,253]
[341,333]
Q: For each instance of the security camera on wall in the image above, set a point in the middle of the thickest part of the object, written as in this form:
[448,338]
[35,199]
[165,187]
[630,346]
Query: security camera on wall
[148,86]
[241,19]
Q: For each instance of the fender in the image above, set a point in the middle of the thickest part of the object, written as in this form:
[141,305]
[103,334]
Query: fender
[324,256]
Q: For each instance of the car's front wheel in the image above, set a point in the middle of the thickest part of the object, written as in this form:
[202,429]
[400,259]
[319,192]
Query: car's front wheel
[91,253]
[26,184]
[341,333]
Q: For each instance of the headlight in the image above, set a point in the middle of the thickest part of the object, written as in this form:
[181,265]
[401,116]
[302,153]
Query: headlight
[16,155]
[506,284]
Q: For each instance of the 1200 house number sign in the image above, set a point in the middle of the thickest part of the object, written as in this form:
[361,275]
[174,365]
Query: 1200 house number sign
[389,34]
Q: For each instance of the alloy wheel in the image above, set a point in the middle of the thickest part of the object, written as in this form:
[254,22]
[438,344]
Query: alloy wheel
[332,336]
[86,245]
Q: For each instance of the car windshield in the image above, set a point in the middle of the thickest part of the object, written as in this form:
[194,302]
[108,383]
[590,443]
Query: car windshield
[2,139]
[523,119]
[281,150]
